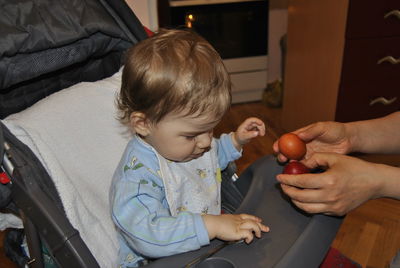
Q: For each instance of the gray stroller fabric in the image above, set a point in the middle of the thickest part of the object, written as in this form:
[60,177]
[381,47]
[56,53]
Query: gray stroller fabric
[49,45]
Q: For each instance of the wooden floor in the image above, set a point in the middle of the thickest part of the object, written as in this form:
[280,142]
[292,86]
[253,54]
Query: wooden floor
[369,235]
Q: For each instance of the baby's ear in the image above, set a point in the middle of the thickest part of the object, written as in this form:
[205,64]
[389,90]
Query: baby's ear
[140,123]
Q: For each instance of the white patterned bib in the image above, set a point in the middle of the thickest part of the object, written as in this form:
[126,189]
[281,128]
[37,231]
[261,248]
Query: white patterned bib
[193,186]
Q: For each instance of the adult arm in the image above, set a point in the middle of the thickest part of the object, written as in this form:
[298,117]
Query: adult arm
[380,135]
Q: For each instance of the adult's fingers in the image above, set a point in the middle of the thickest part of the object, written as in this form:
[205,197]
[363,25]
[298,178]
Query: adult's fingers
[312,208]
[310,132]
[304,195]
[327,208]
[308,181]
[322,160]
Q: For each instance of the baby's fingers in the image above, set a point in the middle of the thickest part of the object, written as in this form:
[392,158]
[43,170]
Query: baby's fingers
[254,227]
[246,235]
[263,227]
[244,216]
[257,127]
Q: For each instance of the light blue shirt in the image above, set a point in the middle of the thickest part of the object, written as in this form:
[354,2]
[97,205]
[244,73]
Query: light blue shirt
[140,210]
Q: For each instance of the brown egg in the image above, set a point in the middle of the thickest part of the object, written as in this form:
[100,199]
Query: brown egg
[291,146]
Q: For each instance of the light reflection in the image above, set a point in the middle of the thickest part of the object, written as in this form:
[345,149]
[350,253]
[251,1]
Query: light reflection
[189,19]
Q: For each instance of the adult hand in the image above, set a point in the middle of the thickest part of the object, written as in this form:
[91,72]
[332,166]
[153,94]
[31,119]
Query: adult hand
[321,137]
[346,183]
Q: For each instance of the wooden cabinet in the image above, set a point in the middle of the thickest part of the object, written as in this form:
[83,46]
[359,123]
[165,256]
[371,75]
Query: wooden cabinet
[343,61]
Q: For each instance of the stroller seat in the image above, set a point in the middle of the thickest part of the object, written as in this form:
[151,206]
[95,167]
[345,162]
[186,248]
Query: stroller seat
[77,138]
[75,135]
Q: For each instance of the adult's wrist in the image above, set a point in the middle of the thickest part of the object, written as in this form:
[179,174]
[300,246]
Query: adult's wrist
[389,181]
[352,133]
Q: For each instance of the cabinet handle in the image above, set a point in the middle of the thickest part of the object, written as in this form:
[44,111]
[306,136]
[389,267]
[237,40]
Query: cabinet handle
[395,13]
[383,101]
[389,59]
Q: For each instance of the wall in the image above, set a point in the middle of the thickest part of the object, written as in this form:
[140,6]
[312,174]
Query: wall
[146,11]
[278,15]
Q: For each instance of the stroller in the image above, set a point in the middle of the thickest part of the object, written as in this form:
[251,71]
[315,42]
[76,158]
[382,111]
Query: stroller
[60,143]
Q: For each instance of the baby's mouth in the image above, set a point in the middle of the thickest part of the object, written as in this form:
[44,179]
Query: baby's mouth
[197,155]
[202,152]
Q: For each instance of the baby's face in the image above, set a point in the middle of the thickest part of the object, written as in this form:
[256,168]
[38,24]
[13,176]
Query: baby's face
[181,138]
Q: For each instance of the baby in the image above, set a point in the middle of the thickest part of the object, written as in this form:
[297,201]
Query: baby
[166,190]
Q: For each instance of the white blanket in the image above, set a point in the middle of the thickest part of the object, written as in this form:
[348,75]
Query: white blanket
[78,139]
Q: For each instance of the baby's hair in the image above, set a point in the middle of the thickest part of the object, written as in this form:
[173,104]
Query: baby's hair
[173,71]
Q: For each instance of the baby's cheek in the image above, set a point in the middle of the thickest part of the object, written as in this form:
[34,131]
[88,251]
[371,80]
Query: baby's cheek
[182,151]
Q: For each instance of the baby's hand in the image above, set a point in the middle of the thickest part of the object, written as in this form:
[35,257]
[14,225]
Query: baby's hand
[229,227]
[250,128]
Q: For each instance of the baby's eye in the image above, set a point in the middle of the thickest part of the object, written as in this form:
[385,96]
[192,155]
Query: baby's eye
[190,137]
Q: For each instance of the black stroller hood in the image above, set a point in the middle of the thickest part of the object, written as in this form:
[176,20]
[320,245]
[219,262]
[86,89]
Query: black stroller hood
[50,45]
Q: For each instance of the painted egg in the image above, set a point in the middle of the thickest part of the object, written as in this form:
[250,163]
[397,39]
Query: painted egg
[291,146]
[295,167]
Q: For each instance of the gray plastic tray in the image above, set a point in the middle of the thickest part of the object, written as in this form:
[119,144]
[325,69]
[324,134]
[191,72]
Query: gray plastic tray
[296,239]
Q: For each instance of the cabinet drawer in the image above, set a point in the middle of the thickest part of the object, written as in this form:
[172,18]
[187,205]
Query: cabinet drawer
[366,77]
[363,62]
[354,103]
[366,18]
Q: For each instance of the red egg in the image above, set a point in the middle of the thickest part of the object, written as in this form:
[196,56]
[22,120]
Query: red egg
[291,146]
[295,167]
